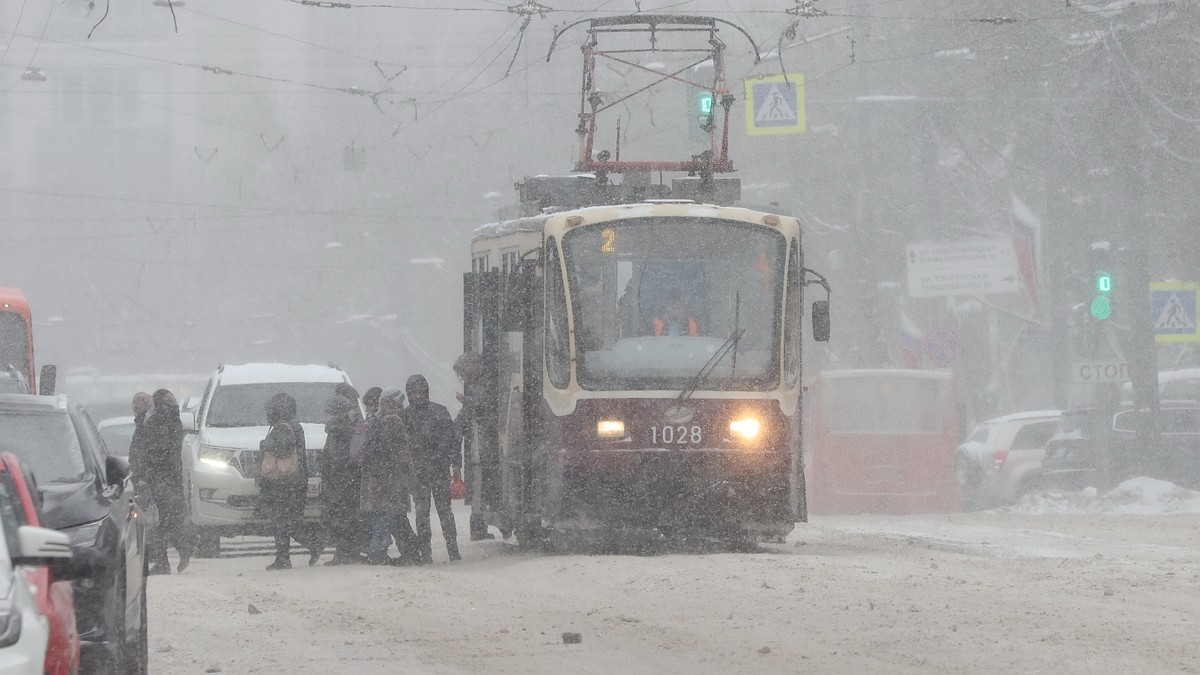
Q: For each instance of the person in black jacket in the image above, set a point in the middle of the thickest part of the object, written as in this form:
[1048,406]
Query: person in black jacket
[160,462]
[281,500]
[434,443]
[341,481]
[142,402]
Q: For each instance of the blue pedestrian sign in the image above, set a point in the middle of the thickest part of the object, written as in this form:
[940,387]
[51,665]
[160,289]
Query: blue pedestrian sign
[775,105]
[1173,310]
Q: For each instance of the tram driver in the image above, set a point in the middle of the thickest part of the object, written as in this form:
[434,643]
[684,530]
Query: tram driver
[675,319]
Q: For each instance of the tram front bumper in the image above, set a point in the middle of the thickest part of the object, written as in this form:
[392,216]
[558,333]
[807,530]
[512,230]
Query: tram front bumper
[679,489]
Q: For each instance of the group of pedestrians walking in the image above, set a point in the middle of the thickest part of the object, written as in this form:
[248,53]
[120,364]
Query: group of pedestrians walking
[405,450]
[372,468]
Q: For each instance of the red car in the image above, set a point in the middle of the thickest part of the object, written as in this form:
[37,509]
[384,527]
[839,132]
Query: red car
[55,599]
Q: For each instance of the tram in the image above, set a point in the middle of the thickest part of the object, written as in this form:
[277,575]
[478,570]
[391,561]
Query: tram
[640,349]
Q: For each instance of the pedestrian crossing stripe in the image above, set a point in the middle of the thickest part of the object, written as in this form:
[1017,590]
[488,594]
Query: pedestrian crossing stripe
[1173,311]
[775,105]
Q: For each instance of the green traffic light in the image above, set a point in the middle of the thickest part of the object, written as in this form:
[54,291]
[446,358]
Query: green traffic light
[705,102]
[1101,307]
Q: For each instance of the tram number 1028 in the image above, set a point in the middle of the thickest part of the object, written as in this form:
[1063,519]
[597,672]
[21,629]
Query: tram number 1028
[677,435]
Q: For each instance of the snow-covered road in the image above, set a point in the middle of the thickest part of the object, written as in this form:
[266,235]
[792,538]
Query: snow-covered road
[988,592]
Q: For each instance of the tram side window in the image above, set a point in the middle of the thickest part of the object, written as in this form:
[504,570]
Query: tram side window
[509,259]
[558,346]
[795,313]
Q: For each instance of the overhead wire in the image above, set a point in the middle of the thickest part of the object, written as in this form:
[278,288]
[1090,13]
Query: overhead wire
[12,36]
[36,47]
[289,38]
[217,70]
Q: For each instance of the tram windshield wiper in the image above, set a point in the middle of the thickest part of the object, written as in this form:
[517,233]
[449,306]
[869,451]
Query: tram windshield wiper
[729,345]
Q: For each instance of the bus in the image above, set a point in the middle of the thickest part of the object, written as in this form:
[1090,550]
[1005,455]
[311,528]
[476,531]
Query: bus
[16,337]
[882,441]
[605,407]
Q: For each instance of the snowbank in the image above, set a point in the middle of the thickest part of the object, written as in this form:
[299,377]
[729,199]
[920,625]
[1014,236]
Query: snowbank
[1136,496]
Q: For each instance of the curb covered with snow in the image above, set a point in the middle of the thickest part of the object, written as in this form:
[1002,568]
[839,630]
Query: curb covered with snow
[1136,496]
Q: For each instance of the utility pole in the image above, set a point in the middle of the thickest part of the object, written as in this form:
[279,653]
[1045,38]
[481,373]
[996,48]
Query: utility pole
[1139,344]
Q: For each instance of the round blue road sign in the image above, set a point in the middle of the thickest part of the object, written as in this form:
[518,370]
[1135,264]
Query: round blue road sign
[942,346]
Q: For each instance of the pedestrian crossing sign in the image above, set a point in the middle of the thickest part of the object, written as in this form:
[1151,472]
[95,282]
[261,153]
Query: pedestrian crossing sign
[1173,310]
[775,105]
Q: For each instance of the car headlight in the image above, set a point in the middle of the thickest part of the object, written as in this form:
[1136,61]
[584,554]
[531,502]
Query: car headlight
[745,429]
[84,535]
[218,457]
[610,429]
[10,622]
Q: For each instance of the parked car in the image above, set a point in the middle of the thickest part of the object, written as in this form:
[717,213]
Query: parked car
[1103,448]
[55,599]
[1177,385]
[117,433]
[87,494]
[1002,458]
[221,454]
[37,565]
[24,631]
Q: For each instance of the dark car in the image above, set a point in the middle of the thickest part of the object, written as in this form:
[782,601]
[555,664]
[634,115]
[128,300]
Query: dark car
[1100,448]
[88,495]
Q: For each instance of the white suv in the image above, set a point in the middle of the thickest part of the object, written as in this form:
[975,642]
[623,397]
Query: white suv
[1002,458]
[221,455]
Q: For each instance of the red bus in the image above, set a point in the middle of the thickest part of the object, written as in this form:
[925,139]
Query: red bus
[16,335]
[881,441]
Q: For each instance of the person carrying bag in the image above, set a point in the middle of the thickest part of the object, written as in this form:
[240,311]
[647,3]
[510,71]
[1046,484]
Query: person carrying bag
[283,479]
[280,466]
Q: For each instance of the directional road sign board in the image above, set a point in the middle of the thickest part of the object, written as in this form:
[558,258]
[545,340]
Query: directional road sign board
[1173,311]
[968,267]
[775,105]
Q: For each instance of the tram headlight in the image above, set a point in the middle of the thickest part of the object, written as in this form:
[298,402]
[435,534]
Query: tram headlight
[610,429]
[745,428]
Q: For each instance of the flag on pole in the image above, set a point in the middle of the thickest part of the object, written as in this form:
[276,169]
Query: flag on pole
[1026,236]
[910,341]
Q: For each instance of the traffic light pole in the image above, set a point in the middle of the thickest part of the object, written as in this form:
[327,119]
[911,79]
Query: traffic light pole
[1140,344]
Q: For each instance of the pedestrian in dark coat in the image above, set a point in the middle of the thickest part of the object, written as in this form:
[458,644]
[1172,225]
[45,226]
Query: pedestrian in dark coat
[388,480]
[281,500]
[142,402]
[160,461]
[370,400]
[436,450]
[341,481]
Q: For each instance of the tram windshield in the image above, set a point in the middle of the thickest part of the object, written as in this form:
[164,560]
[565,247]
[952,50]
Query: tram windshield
[655,298]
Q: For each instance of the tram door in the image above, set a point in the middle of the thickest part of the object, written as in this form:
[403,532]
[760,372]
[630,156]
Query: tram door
[501,315]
